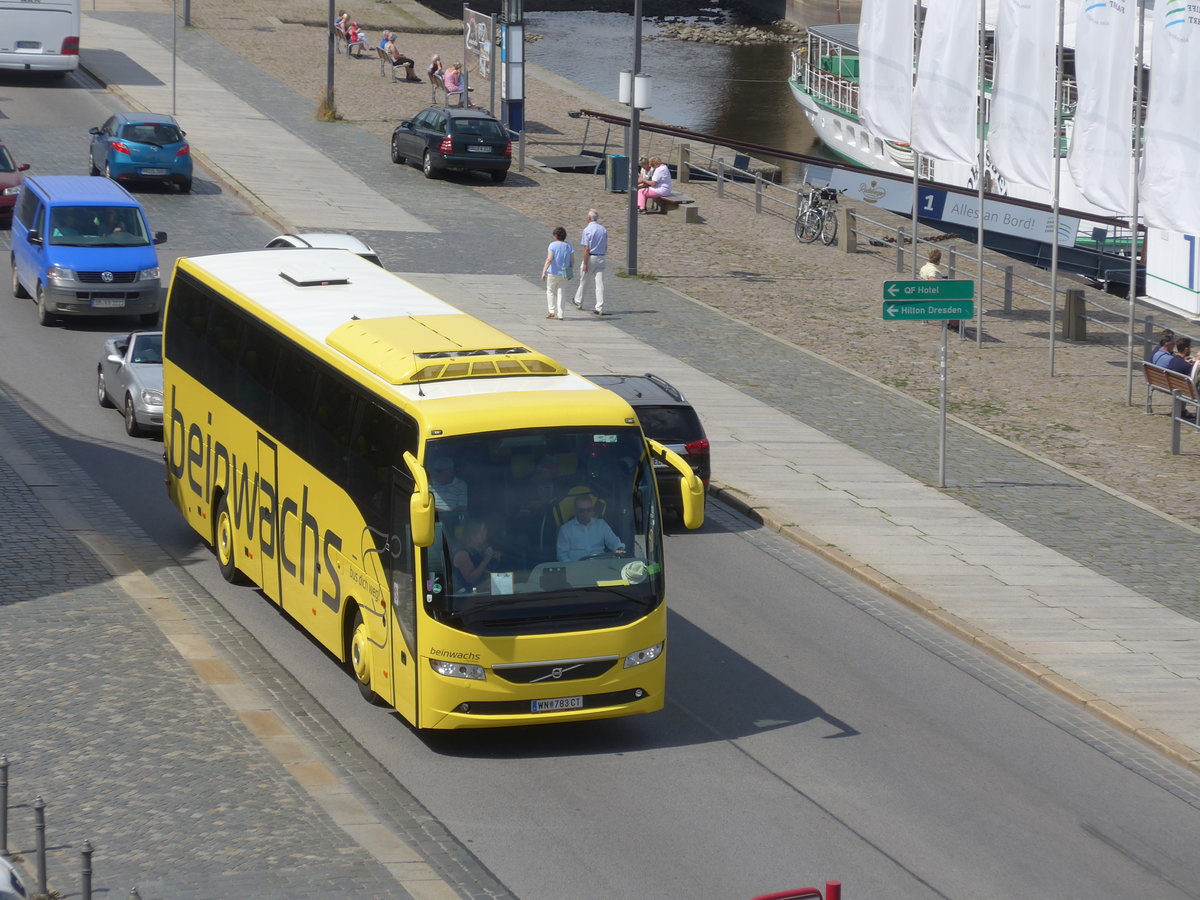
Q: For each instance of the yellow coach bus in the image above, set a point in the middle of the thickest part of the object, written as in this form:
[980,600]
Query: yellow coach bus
[473,529]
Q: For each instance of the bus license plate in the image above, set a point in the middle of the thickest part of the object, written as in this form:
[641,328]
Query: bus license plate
[557,704]
[108,303]
[479,149]
[154,171]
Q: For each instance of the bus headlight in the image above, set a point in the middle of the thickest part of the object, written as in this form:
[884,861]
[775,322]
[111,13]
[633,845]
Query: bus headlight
[644,656]
[458,670]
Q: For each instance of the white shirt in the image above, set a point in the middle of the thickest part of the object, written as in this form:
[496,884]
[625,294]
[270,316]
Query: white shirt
[576,540]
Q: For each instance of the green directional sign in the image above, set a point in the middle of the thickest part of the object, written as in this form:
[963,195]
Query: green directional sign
[956,289]
[898,310]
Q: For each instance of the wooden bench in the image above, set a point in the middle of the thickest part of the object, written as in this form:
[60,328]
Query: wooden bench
[1183,393]
[674,201]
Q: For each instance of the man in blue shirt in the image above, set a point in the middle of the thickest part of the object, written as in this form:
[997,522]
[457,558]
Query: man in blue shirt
[585,535]
[595,251]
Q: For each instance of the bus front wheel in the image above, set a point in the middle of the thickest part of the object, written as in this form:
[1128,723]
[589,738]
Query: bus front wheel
[223,543]
[359,658]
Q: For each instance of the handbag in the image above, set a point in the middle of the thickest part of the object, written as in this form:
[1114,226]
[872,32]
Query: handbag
[569,272]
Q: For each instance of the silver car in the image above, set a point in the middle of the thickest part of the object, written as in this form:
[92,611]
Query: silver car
[130,373]
[326,240]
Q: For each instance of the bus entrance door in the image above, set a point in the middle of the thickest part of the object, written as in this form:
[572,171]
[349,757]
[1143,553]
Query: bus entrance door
[399,564]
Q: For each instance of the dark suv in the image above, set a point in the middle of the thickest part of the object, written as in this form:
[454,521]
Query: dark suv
[667,418]
[443,137]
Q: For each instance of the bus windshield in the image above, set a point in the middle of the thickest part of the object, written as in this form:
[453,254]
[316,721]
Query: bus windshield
[543,530]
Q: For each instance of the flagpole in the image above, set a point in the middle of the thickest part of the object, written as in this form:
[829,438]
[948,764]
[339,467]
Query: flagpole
[981,120]
[1133,194]
[1055,156]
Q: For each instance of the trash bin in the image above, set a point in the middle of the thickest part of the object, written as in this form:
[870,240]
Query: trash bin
[616,173]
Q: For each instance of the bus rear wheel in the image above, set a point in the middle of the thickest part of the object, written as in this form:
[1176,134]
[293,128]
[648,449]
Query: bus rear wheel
[223,543]
[358,657]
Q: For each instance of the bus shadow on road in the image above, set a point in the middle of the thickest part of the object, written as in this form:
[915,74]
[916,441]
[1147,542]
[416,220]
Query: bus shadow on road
[713,694]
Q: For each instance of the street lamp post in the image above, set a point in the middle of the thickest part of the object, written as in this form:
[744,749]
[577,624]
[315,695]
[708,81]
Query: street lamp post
[634,91]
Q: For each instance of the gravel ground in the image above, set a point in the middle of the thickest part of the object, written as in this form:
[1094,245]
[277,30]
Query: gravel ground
[751,267]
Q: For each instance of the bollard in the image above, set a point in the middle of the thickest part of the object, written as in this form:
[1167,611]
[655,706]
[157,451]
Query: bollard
[85,875]
[1149,343]
[900,248]
[847,238]
[684,169]
[833,890]
[3,804]
[951,263]
[721,177]
[758,191]
[39,810]
[1008,289]
[1074,325]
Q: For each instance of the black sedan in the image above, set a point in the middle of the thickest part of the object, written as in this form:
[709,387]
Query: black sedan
[441,138]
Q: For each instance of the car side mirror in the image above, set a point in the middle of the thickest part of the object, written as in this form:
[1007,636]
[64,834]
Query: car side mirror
[35,236]
[93,131]
[116,358]
[160,237]
[406,124]
[23,167]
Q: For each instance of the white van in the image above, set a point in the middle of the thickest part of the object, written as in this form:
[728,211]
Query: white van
[39,35]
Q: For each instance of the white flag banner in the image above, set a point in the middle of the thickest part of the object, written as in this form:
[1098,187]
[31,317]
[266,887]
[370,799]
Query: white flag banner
[1022,116]
[1170,191]
[947,96]
[1101,152]
[885,67]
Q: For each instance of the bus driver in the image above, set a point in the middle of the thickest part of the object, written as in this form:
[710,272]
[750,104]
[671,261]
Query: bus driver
[585,535]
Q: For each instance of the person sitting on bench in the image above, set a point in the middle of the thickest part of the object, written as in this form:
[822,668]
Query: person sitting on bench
[398,59]
[658,185]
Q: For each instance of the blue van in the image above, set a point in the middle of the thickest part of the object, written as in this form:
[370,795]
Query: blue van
[81,247]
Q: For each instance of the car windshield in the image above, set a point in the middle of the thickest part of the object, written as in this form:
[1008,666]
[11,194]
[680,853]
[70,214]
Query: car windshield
[97,226]
[152,133]
[485,128]
[6,161]
[672,424]
[543,529]
[147,348]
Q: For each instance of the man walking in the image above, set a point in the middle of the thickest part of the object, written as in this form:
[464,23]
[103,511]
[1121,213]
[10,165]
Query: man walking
[595,248]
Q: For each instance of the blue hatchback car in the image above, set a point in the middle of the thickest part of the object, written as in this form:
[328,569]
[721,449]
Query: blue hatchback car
[141,147]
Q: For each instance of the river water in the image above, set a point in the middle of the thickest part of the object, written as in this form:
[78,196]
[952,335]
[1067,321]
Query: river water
[733,92]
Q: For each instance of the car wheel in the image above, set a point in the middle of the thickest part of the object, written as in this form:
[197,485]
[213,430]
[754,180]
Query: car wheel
[102,390]
[132,428]
[223,543]
[498,177]
[185,186]
[427,165]
[397,156]
[358,657]
[18,290]
[45,317]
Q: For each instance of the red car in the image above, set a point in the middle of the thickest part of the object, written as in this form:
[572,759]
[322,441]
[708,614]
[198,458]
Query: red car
[10,183]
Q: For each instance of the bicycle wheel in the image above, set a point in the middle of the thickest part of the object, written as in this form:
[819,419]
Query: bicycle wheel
[829,227]
[808,226]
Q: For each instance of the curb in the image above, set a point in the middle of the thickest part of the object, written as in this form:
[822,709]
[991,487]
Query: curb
[1064,687]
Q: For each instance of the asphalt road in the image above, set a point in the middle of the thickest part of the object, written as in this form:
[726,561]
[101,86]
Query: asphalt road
[813,730]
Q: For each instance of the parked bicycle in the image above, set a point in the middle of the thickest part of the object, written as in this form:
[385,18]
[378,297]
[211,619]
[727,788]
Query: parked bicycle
[817,216]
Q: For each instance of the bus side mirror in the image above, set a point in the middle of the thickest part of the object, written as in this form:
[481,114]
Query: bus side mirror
[421,504]
[691,488]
